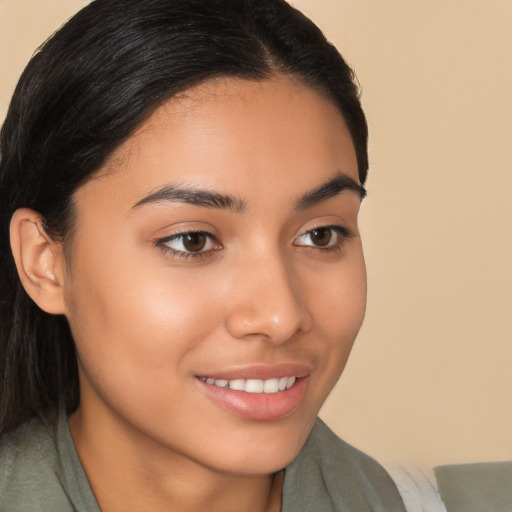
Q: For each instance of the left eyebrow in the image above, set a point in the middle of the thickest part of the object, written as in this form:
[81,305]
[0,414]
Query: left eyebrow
[330,189]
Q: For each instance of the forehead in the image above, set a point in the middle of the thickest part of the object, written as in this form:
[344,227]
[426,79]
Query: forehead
[237,136]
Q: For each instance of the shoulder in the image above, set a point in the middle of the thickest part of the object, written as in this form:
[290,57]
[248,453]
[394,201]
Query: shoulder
[331,475]
[28,448]
[30,472]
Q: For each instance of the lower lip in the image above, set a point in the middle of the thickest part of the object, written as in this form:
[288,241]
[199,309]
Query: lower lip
[258,406]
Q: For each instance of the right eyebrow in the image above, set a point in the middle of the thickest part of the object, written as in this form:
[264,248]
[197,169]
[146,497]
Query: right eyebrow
[195,196]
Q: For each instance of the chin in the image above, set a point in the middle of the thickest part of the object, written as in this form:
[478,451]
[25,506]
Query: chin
[263,448]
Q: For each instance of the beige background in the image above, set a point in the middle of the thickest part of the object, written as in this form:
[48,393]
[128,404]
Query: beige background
[430,379]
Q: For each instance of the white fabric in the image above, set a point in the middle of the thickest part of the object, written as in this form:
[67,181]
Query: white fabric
[418,492]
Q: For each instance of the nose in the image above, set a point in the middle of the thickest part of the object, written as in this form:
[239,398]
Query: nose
[267,301]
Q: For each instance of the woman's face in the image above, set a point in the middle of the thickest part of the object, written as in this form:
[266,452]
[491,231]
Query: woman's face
[220,243]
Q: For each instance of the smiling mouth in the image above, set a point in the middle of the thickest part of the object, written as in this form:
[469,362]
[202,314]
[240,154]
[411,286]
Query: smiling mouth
[253,385]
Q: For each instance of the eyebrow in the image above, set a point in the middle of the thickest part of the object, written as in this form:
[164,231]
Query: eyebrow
[332,188]
[196,197]
[209,199]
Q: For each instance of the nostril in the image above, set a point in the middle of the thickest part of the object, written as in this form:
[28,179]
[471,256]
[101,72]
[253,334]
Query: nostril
[274,323]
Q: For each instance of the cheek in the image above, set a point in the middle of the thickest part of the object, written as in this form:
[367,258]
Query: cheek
[338,300]
[138,346]
[132,319]
[338,306]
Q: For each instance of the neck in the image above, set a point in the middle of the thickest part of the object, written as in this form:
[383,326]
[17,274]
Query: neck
[122,467]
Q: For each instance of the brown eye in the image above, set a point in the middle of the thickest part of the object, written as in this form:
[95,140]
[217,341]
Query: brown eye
[194,242]
[324,238]
[191,243]
[321,237]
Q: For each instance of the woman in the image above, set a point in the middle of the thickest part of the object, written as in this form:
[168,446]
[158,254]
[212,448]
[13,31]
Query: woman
[182,273]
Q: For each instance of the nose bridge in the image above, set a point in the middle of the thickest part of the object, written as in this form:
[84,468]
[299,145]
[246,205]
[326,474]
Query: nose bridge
[268,301]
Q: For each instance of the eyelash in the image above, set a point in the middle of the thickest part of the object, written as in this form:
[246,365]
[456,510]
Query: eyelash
[183,254]
[342,233]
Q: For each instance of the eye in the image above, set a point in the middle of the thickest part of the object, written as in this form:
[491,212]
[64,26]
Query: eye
[191,243]
[325,237]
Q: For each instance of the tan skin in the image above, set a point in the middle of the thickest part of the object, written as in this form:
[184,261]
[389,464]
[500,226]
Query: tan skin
[261,283]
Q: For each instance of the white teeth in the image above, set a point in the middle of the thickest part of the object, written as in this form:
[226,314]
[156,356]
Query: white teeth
[238,384]
[253,385]
[271,386]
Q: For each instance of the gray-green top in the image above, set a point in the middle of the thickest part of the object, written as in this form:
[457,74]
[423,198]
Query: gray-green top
[40,472]
[479,487]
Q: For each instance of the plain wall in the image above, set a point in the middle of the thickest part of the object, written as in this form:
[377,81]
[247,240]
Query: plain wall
[430,378]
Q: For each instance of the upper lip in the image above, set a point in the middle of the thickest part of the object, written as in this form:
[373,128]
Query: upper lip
[260,371]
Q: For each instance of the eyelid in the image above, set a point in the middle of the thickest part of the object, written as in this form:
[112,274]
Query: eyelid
[162,243]
[343,234]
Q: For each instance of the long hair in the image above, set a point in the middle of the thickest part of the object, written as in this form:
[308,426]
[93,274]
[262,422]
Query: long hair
[83,93]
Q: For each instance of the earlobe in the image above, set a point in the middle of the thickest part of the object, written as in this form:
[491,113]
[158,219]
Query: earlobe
[39,261]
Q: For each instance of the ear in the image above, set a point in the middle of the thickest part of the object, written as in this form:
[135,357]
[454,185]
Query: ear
[39,260]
